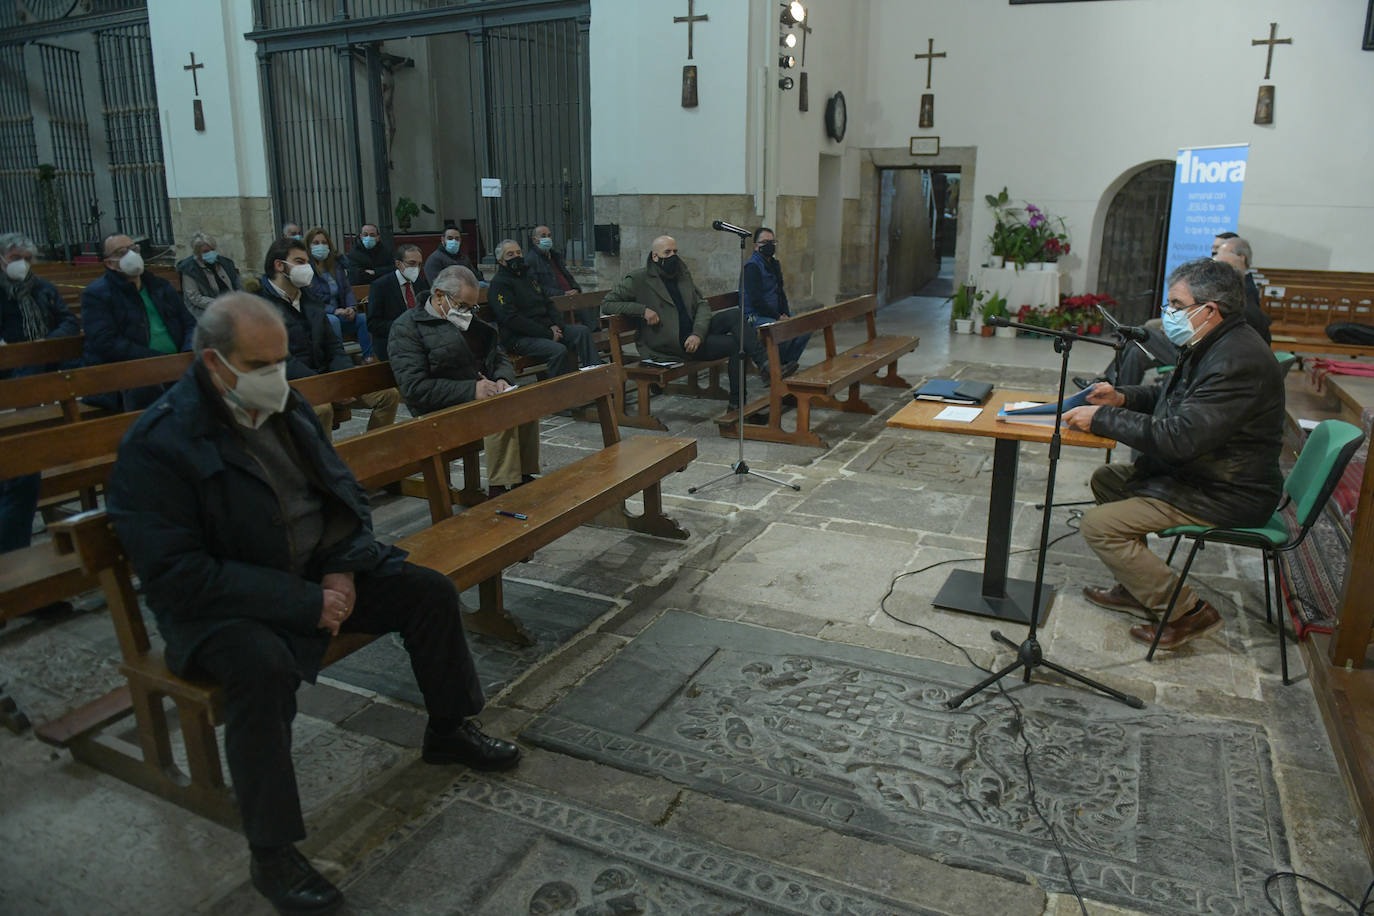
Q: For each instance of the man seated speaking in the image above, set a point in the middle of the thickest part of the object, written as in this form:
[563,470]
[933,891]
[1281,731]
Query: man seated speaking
[1209,437]
[254,545]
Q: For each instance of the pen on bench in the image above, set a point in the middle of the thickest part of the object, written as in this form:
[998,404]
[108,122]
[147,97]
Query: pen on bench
[512,515]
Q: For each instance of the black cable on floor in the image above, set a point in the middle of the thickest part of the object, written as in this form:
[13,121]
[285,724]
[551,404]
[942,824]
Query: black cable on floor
[1359,909]
[1018,718]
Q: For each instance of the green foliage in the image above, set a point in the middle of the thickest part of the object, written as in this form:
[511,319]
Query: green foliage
[962,303]
[994,307]
[406,210]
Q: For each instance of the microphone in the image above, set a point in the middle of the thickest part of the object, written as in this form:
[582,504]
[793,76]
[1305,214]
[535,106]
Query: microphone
[997,321]
[1129,332]
[730,227]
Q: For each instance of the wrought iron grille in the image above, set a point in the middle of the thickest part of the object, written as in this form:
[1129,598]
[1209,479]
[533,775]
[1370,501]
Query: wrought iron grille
[1132,265]
[74,178]
[20,210]
[133,133]
[285,14]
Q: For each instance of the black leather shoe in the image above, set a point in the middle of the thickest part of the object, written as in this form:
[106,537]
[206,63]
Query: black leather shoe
[1086,382]
[789,369]
[471,746]
[291,884]
[766,374]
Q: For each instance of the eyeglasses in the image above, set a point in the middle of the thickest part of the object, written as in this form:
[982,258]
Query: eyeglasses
[1177,307]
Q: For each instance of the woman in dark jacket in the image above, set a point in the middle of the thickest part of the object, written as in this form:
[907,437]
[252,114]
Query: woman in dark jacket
[331,287]
[443,355]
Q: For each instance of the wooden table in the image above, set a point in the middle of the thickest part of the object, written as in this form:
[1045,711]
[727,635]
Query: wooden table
[991,593]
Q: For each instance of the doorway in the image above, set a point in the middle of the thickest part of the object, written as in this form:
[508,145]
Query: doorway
[1133,239]
[918,223]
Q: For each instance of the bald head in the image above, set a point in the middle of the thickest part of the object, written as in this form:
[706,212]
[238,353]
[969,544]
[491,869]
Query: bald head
[663,246]
[234,318]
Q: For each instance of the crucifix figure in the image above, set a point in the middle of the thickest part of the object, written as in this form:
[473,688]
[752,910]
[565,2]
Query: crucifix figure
[193,67]
[1270,41]
[691,19]
[806,30]
[929,58]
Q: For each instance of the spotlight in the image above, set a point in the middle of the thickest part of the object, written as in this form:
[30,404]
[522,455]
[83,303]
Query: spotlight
[785,83]
[793,13]
[787,62]
[789,40]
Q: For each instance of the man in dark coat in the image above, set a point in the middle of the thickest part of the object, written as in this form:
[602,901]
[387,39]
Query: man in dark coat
[443,355]
[530,324]
[763,297]
[1236,251]
[130,314]
[206,274]
[31,308]
[313,346]
[393,294]
[1209,438]
[449,254]
[368,260]
[548,269]
[677,323]
[254,544]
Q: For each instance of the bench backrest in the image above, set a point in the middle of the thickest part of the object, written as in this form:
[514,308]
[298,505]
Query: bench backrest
[66,385]
[36,451]
[37,352]
[345,383]
[824,318]
[569,305]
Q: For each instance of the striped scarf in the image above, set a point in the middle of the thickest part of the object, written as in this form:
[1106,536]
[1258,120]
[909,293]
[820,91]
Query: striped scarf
[35,323]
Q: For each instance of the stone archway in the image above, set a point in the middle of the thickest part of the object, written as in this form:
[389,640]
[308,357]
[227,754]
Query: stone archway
[1129,231]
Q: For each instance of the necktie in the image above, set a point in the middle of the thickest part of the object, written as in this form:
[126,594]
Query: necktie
[410,296]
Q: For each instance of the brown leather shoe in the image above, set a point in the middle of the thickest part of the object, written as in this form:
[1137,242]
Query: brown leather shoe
[1183,629]
[1115,598]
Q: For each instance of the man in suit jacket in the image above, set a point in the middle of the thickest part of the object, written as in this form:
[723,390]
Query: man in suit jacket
[393,294]
[677,322]
[313,347]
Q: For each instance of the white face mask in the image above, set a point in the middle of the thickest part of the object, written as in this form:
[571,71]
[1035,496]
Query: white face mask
[131,263]
[263,390]
[17,269]
[410,273]
[302,275]
[460,318]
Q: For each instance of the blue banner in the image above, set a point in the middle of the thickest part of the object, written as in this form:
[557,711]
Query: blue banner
[1207,185]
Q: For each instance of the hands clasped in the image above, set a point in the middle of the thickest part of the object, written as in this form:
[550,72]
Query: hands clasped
[339,598]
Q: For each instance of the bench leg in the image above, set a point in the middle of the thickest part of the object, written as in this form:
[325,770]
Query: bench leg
[11,716]
[650,521]
[804,435]
[854,403]
[890,378]
[472,493]
[642,418]
[491,617]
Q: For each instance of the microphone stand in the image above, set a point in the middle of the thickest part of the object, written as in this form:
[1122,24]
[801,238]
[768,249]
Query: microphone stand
[741,468]
[1029,655]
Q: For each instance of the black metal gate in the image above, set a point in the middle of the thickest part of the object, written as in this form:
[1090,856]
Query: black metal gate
[1133,233]
[19,207]
[73,178]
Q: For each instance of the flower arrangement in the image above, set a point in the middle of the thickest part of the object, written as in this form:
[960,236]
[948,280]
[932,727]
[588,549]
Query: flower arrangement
[1023,234]
[1072,312]
[1050,243]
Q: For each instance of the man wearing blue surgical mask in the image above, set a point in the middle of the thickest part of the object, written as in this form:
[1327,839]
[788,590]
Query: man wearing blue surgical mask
[368,260]
[548,269]
[449,254]
[1208,437]
[206,274]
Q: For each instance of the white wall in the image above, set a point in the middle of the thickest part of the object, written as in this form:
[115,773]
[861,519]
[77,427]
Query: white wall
[229,158]
[643,141]
[1061,99]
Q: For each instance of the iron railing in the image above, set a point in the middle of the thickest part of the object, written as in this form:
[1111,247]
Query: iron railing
[74,178]
[20,210]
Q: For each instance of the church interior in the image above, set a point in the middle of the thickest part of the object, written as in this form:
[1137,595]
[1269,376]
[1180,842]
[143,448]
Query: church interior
[736,678]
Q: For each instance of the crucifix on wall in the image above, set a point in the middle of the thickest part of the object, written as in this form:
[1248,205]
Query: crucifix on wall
[927,118]
[197,112]
[689,71]
[1264,102]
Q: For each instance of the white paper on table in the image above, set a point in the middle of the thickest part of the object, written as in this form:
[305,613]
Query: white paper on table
[959,414]
[1308,425]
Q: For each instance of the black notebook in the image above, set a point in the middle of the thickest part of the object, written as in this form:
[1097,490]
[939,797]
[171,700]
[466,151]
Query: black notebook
[952,391]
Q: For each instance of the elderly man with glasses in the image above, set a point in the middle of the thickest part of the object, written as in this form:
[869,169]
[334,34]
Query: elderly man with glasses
[1209,437]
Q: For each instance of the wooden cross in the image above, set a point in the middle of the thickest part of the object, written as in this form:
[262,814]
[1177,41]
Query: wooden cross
[806,30]
[193,68]
[691,19]
[929,58]
[1270,41]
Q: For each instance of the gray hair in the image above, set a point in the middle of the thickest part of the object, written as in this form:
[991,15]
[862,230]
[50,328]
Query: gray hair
[1242,248]
[18,240]
[452,280]
[1211,281]
[218,326]
[502,247]
[202,239]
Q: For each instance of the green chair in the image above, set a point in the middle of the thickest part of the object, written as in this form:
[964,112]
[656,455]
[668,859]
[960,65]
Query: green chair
[1309,485]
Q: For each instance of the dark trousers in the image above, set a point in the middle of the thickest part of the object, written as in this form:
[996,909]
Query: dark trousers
[1128,368]
[722,340]
[18,502]
[255,666]
[577,340]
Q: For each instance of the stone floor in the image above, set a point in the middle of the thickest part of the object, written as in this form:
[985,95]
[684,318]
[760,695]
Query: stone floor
[807,577]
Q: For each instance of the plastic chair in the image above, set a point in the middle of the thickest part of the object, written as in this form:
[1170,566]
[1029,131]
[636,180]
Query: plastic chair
[1309,485]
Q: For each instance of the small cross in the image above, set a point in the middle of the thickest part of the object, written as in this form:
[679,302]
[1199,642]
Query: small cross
[929,58]
[1270,41]
[691,19]
[193,68]
[806,30]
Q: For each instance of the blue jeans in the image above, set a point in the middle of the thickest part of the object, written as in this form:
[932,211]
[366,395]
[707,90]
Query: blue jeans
[18,503]
[789,351]
[357,325]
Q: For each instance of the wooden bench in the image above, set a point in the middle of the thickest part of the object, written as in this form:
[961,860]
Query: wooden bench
[52,398]
[1301,303]
[818,385]
[471,548]
[39,352]
[623,329]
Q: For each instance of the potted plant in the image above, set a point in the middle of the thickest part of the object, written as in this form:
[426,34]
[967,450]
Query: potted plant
[1085,308]
[961,310]
[406,210]
[995,307]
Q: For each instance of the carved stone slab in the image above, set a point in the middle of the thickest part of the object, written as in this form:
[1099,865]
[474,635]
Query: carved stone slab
[493,847]
[1158,811]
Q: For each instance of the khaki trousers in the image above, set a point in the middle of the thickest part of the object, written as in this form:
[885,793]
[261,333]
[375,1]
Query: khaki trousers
[511,454]
[1115,529]
[382,403]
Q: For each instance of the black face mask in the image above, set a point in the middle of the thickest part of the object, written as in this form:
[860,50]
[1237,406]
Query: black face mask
[516,265]
[768,249]
[669,266]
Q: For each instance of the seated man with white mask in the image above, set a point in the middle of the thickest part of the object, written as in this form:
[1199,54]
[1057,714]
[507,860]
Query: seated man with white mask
[444,355]
[254,545]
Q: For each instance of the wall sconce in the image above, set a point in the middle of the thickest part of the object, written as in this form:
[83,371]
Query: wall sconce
[793,13]
[787,62]
[789,40]
[785,83]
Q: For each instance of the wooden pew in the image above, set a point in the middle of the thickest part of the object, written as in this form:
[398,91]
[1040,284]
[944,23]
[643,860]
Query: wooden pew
[1301,303]
[623,329]
[471,548]
[53,398]
[818,385]
[38,352]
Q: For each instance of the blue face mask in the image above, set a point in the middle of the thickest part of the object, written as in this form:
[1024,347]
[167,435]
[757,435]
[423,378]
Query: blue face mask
[451,246]
[369,241]
[1177,327]
[210,257]
[319,252]
[546,244]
